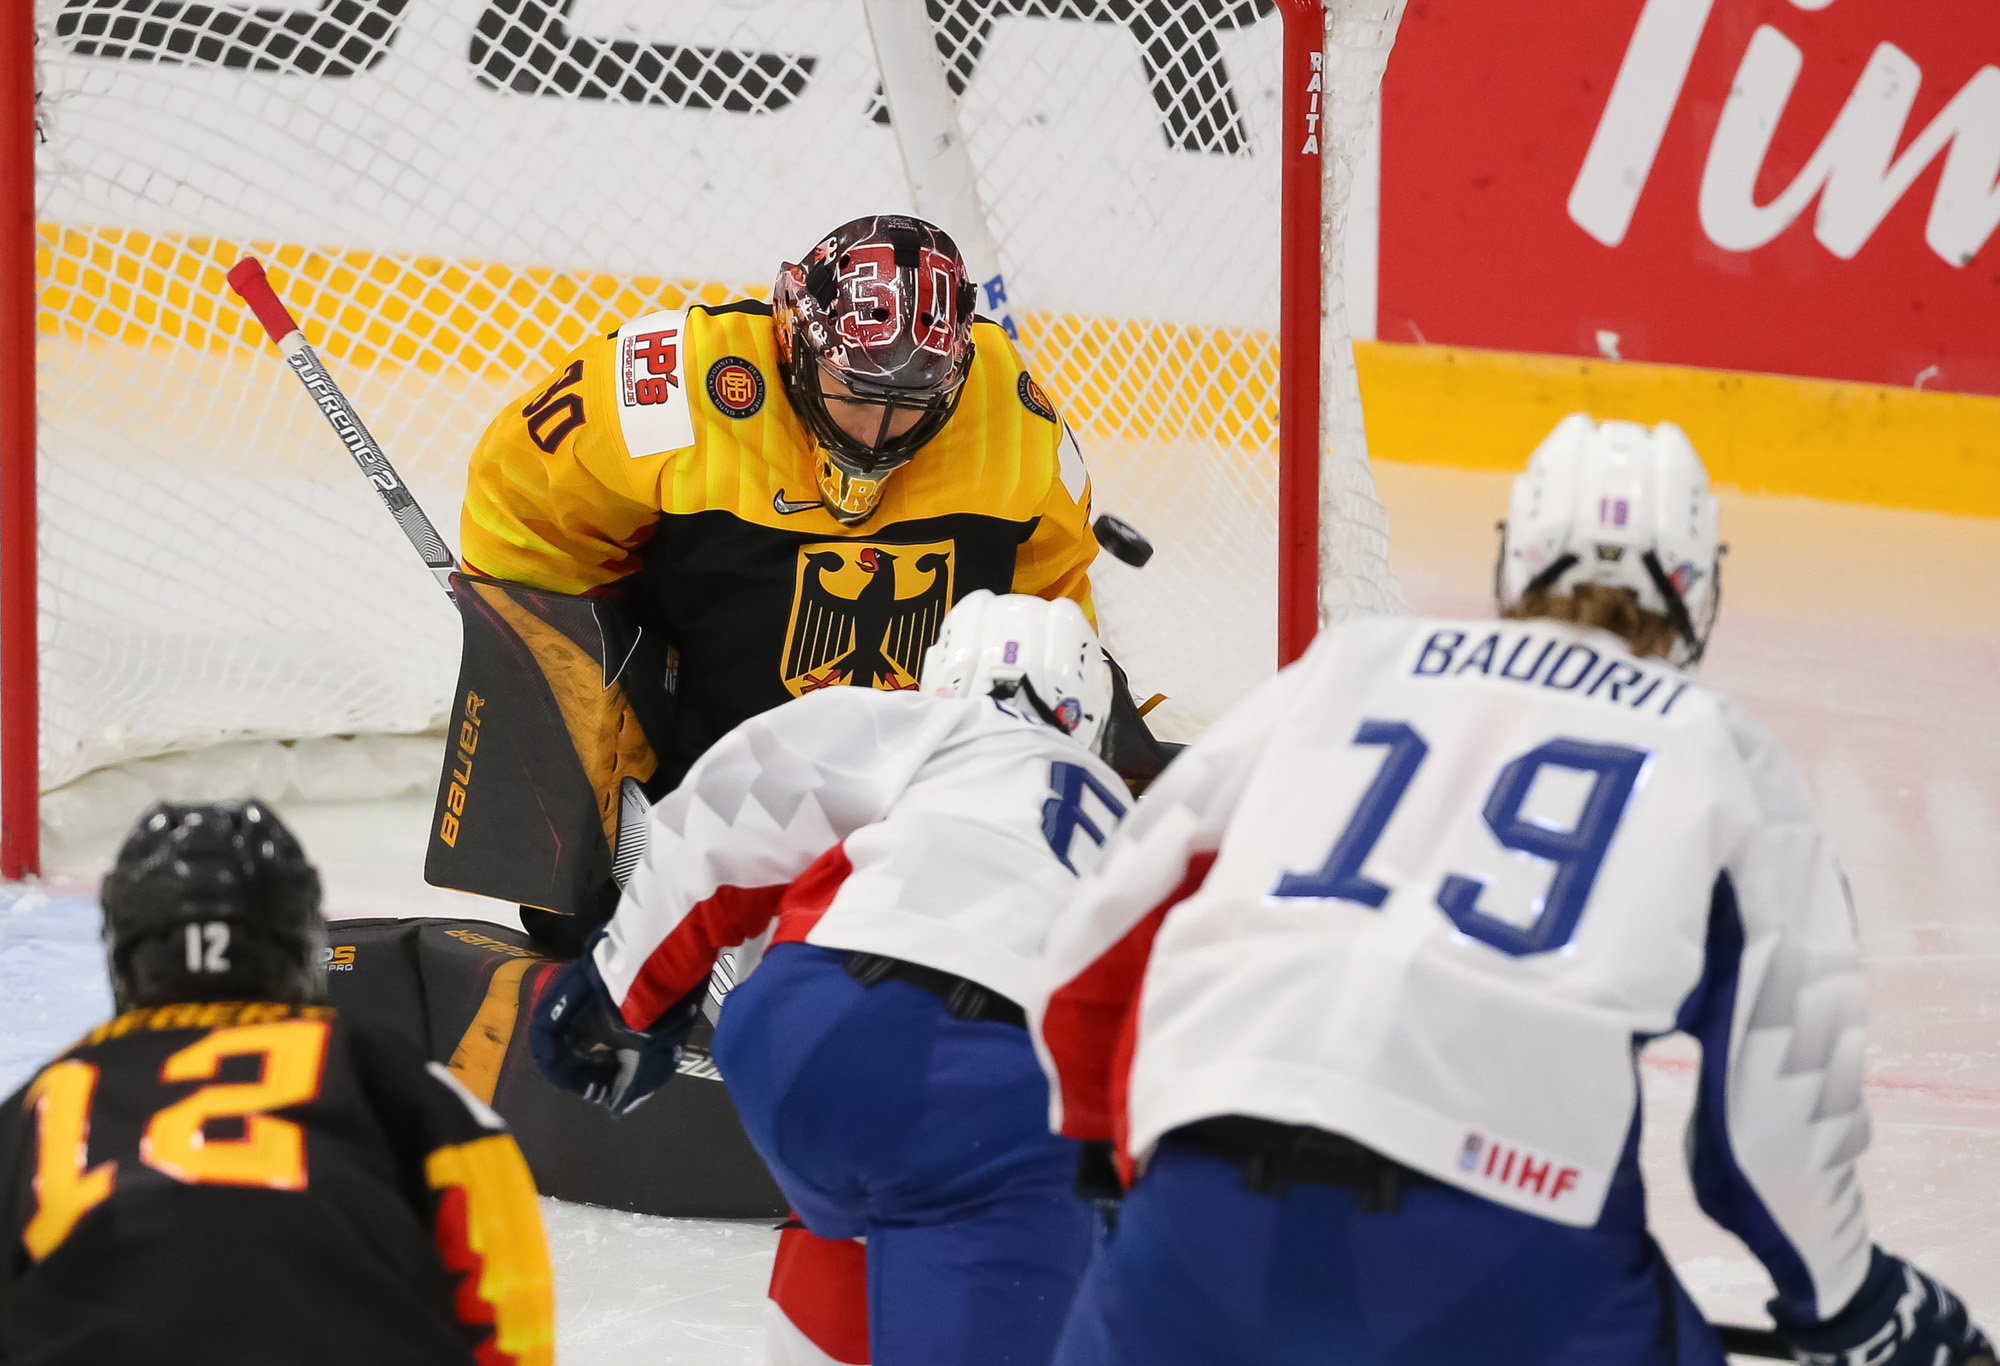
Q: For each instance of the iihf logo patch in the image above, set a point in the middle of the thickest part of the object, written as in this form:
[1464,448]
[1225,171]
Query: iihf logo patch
[1033,399]
[735,387]
[1684,577]
[1069,713]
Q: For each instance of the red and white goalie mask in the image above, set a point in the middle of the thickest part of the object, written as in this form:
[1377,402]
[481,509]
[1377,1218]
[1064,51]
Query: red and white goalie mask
[874,332]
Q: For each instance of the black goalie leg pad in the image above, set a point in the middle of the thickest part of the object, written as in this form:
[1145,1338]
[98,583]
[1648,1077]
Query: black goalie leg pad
[558,698]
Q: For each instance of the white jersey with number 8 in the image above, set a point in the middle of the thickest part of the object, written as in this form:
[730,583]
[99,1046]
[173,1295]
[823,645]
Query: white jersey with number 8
[1434,885]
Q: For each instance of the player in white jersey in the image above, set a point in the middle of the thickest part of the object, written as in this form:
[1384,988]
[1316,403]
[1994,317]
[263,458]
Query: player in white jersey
[1361,985]
[904,854]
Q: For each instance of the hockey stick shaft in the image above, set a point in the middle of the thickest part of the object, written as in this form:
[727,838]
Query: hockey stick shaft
[247,278]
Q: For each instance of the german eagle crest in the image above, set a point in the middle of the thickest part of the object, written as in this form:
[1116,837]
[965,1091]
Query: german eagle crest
[864,613]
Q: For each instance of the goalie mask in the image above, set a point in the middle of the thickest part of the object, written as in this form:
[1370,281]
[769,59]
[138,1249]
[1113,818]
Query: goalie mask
[1038,660]
[874,334]
[1623,507]
[213,902]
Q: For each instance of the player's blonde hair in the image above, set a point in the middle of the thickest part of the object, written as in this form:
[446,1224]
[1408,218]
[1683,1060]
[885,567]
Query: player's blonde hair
[1616,610]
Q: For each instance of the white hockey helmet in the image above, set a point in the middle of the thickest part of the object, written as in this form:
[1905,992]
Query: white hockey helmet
[1038,659]
[1615,504]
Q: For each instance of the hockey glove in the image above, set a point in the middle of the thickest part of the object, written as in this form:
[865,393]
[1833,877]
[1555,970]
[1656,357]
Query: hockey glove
[583,1045]
[1899,1317]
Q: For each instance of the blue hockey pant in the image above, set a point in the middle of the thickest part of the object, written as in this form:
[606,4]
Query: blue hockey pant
[1202,1272]
[883,1116]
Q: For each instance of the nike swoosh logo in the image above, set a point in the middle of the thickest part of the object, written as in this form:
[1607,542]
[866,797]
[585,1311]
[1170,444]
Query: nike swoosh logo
[786,507]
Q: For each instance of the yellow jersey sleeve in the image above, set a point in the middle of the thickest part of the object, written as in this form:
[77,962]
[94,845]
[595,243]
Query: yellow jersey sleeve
[488,1227]
[556,496]
[1055,560]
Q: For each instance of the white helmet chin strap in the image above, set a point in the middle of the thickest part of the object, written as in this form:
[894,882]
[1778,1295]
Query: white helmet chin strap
[1015,690]
[1677,611]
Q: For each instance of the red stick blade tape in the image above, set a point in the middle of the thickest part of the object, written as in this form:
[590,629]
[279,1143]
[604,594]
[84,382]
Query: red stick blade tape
[246,277]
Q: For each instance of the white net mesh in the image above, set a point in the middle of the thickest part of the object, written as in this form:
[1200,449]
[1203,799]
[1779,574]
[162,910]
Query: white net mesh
[452,193]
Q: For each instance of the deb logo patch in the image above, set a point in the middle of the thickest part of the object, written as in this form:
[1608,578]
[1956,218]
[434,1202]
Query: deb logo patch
[1033,399]
[735,387]
[864,612]
[651,382]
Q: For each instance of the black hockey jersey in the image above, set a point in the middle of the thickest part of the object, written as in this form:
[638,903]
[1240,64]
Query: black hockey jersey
[263,1184]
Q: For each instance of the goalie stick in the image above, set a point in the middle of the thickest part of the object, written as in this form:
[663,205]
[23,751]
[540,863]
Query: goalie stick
[247,278]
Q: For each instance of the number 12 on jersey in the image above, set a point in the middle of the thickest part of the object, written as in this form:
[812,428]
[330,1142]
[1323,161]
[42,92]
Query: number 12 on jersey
[1575,854]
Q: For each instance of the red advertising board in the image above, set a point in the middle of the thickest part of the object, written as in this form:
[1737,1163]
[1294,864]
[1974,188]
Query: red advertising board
[1794,186]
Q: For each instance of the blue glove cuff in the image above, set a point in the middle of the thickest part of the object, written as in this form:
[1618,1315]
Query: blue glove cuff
[1899,1317]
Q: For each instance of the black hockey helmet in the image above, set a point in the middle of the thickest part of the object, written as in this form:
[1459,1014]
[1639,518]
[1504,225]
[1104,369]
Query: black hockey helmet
[213,902]
[882,307]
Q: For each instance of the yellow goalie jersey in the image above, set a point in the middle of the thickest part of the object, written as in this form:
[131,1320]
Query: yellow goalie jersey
[665,456]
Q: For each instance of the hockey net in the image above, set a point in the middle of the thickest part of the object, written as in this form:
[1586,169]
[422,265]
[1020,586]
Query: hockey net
[452,193]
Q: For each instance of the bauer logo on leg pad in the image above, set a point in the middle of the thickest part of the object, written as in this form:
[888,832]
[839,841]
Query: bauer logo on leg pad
[461,770]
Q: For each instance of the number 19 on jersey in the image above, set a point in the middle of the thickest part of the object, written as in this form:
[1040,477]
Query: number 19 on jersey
[1574,855]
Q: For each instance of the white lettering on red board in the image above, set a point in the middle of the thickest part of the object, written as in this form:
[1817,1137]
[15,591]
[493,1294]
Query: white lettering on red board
[1856,174]
[1314,88]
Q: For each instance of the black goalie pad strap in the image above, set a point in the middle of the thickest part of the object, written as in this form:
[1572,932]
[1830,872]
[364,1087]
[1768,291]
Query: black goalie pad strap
[1128,744]
[557,698]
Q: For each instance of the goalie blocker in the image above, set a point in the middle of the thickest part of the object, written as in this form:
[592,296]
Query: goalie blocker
[549,742]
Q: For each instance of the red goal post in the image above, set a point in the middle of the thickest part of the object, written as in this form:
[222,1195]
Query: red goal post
[20,835]
[453,192]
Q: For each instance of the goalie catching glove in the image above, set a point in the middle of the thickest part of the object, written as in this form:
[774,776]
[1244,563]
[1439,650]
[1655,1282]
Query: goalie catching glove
[1899,1317]
[583,1044]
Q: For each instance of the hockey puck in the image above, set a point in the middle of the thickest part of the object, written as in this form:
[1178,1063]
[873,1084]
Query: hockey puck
[1123,540]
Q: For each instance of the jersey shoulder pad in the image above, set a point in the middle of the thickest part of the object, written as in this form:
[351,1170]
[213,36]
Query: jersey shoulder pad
[1009,384]
[1775,780]
[1367,643]
[1010,373]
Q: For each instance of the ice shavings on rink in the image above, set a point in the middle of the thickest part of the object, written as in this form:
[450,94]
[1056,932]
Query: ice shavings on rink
[52,983]
[633,1288]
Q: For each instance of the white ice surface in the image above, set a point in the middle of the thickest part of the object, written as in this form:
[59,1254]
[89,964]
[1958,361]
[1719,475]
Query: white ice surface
[1868,640]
